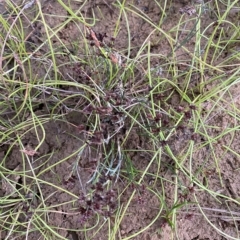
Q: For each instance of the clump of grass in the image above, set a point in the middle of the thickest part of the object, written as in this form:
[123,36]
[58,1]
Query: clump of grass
[169,99]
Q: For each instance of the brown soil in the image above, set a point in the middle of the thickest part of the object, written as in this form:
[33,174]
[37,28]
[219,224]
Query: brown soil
[61,188]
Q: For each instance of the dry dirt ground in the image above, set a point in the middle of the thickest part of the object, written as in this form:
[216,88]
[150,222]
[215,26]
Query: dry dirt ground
[63,139]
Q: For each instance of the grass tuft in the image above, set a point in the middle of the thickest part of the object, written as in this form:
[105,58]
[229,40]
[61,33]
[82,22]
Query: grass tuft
[107,109]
